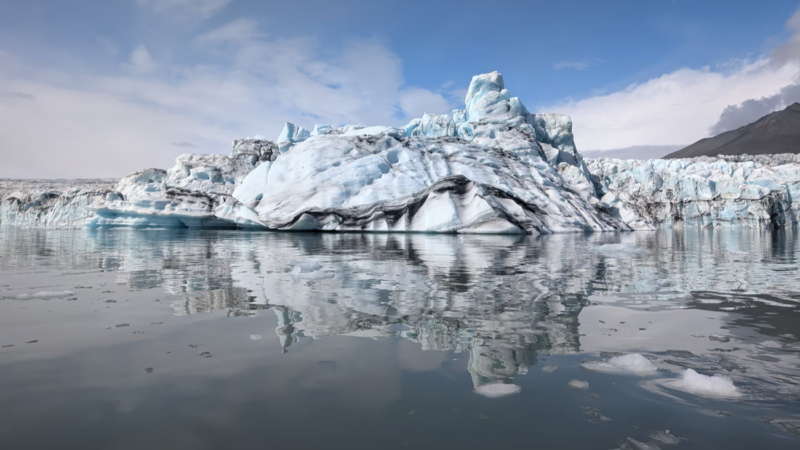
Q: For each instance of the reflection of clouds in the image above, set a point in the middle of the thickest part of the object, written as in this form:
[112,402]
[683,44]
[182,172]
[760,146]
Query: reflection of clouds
[501,300]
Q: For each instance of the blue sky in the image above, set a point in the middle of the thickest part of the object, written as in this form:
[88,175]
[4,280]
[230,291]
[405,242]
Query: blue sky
[103,88]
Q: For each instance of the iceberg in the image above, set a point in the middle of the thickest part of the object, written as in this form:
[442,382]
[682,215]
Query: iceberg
[496,390]
[706,386]
[491,167]
[631,363]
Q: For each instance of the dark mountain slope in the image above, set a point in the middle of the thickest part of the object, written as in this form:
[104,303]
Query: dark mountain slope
[778,132]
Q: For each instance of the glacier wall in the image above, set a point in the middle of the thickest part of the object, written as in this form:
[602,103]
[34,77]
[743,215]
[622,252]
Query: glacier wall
[492,167]
[50,203]
[701,192]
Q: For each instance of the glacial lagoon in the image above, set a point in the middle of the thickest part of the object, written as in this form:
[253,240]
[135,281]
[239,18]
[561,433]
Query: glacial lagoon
[172,339]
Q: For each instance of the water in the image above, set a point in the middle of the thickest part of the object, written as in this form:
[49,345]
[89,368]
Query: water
[216,339]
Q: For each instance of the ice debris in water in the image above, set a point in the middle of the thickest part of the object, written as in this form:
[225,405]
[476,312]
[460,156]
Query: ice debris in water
[664,437]
[43,294]
[497,390]
[641,445]
[618,250]
[549,368]
[578,384]
[632,363]
[256,337]
[305,266]
[309,270]
[707,386]
[594,413]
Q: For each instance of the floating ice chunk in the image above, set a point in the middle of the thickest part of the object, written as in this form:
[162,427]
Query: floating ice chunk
[305,266]
[578,384]
[618,250]
[632,363]
[549,368]
[600,367]
[594,413]
[497,390]
[309,270]
[256,337]
[707,386]
[43,294]
[642,445]
[664,437]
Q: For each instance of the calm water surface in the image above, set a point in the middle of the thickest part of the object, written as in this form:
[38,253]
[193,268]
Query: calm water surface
[208,340]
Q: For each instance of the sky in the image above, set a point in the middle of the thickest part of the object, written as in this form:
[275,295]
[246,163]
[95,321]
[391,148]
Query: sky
[103,88]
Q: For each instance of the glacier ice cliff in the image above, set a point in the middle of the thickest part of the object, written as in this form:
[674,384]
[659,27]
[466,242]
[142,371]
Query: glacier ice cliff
[50,203]
[701,192]
[492,167]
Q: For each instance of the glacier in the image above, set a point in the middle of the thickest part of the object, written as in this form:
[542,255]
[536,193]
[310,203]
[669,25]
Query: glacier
[491,167]
[700,192]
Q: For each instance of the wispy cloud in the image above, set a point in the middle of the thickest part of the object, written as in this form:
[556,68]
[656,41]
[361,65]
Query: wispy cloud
[577,65]
[185,9]
[17,96]
[140,61]
[232,32]
[184,144]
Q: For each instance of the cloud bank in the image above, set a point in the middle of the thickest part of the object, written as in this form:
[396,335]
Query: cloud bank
[686,105]
[151,110]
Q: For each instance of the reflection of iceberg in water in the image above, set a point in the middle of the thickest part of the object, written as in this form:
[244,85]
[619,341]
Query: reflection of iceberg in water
[501,300]
[235,301]
[479,295]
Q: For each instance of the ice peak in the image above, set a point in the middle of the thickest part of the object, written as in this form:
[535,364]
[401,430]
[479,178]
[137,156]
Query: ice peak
[291,135]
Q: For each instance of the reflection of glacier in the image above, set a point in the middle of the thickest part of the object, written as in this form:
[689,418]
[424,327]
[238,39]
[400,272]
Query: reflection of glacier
[502,300]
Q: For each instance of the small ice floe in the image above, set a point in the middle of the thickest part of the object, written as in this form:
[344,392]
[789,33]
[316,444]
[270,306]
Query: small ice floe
[641,445]
[256,337]
[496,390]
[594,413]
[788,426]
[42,295]
[618,250]
[630,363]
[578,384]
[550,368]
[664,437]
[704,385]
[309,270]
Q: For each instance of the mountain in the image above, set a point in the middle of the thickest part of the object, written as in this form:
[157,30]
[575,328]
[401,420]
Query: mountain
[634,152]
[778,132]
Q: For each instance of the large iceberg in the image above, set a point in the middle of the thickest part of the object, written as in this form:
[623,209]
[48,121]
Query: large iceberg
[492,167]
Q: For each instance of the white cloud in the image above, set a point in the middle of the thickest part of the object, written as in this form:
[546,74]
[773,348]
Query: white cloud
[186,9]
[577,65]
[85,125]
[415,102]
[685,105]
[232,32]
[140,61]
[676,108]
